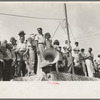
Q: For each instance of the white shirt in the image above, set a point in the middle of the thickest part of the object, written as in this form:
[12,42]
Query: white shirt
[39,38]
[66,48]
[98,62]
[21,46]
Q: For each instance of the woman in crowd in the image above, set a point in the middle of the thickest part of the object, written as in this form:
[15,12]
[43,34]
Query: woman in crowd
[48,41]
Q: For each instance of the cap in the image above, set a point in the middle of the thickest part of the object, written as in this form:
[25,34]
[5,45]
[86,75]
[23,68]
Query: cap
[21,33]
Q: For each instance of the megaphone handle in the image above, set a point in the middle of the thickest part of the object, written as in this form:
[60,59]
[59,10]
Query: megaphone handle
[57,67]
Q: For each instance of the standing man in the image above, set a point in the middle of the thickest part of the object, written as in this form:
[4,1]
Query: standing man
[14,56]
[67,57]
[35,59]
[90,63]
[32,53]
[77,65]
[22,55]
[1,64]
[98,63]
[76,46]
[82,58]
[40,48]
[7,58]
[76,54]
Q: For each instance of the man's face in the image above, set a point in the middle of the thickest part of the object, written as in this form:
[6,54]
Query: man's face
[13,42]
[76,44]
[89,50]
[82,51]
[66,42]
[4,43]
[22,38]
[39,31]
[47,36]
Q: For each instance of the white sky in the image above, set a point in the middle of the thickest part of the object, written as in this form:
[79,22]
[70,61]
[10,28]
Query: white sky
[84,21]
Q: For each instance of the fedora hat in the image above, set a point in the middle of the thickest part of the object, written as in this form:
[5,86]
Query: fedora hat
[21,33]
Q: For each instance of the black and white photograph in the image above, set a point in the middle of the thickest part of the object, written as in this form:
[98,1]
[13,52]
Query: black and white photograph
[50,50]
[49,41]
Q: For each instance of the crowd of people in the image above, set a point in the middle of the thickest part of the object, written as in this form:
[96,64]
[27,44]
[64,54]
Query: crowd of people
[25,57]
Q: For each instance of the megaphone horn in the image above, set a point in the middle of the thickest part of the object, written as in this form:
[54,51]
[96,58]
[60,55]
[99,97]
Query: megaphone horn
[51,55]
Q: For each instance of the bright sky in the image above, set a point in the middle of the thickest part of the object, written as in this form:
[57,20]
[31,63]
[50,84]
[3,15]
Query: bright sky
[83,21]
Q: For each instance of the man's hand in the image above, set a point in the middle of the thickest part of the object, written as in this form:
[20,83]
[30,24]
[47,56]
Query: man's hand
[1,60]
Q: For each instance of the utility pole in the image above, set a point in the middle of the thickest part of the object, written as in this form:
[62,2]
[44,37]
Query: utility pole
[67,28]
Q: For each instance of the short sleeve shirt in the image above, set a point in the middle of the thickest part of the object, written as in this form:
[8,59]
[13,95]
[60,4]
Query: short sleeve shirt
[39,38]
[21,46]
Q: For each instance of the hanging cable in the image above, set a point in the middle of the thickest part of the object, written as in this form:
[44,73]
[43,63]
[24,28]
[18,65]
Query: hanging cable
[70,31]
[30,16]
[87,37]
[95,36]
[56,30]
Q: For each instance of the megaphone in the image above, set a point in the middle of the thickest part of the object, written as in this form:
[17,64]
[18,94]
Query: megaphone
[51,55]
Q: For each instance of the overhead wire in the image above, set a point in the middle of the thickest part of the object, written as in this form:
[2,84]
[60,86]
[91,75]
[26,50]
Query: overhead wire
[70,31]
[15,15]
[87,37]
[91,34]
[95,36]
[51,19]
[56,30]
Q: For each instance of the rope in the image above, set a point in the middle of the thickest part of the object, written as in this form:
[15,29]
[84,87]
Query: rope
[70,31]
[56,30]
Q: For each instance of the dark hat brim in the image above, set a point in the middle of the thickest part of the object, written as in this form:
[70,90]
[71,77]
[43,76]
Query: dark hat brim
[21,33]
[39,28]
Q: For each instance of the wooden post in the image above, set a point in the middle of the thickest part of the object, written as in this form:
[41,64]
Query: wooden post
[68,36]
